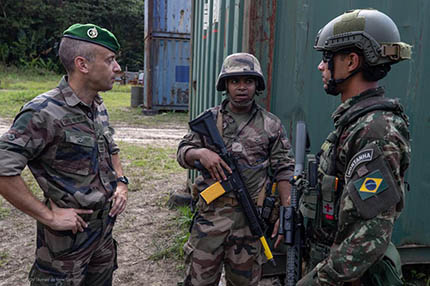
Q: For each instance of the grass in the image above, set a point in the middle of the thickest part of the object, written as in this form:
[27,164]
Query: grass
[20,86]
[147,164]
[3,257]
[178,231]
[4,209]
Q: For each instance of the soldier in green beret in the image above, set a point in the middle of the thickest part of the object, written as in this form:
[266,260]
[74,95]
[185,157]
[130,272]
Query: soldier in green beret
[65,139]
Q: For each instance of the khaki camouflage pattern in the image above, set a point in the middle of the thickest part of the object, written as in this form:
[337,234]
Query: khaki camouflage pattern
[240,64]
[358,243]
[220,233]
[68,147]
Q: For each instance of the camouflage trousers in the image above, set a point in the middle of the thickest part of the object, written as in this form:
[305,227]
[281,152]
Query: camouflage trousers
[220,236]
[85,258]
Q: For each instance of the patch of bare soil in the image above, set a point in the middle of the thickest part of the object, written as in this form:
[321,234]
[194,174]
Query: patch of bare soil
[138,232]
[161,136]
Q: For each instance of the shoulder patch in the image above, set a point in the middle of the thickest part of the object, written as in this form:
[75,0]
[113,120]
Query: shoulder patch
[360,157]
[370,185]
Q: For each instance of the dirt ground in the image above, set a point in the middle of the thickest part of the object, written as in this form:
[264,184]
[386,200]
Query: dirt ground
[146,215]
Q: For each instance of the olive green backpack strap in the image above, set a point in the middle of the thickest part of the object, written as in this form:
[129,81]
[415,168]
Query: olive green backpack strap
[387,271]
[219,122]
[393,255]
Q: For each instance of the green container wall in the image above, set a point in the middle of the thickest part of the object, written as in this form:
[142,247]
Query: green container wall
[298,95]
[223,27]
[220,28]
[281,34]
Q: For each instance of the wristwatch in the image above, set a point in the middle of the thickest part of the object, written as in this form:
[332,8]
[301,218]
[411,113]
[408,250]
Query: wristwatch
[122,179]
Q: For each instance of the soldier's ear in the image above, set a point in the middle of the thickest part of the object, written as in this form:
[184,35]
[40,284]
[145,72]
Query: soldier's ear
[81,64]
[353,61]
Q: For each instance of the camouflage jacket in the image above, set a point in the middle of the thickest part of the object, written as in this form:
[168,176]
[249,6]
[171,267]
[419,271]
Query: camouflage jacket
[258,144]
[372,155]
[67,146]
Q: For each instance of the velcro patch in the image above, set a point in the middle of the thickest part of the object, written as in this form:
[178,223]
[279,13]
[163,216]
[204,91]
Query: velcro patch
[69,120]
[371,185]
[360,157]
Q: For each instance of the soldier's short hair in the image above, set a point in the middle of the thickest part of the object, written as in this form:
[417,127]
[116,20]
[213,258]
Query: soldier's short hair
[71,48]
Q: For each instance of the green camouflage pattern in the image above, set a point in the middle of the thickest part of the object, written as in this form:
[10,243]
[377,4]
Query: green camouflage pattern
[240,64]
[355,243]
[68,147]
[220,233]
[84,258]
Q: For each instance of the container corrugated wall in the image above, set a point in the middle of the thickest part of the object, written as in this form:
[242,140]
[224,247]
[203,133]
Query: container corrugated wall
[283,41]
[167,54]
[223,27]
[298,95]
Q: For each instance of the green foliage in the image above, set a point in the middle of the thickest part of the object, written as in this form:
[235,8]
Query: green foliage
[31,29]
[417,275]
[4,257]
[19,86]
[4,209]
[148,163]
[27,83]
[178,234]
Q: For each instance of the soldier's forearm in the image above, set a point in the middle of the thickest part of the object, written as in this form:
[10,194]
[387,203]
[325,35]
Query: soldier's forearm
[116,162]
[284,189]
[15,191]
[193,155]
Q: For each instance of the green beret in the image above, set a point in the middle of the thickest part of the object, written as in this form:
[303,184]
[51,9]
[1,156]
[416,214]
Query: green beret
[93,34]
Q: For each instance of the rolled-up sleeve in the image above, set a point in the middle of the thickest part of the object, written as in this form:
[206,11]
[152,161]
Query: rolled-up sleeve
[190,141]
[282,157]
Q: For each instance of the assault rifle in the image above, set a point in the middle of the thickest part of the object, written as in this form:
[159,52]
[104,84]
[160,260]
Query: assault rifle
[291,219]
[204,125]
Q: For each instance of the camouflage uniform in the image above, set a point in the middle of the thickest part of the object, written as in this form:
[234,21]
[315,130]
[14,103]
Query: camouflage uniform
[220,234]
[369,153]
[68,147]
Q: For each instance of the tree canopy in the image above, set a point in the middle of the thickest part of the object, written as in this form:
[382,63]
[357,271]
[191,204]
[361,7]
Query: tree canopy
[30,30]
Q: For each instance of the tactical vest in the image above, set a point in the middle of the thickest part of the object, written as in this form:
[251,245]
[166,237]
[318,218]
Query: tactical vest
[321,205]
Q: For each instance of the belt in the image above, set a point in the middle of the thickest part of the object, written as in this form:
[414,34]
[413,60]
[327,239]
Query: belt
[97,214]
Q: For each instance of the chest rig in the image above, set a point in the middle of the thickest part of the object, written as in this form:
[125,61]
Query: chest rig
[320,206]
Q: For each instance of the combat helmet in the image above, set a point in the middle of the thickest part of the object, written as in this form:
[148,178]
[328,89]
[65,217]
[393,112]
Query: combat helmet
[240,64]
[368,31]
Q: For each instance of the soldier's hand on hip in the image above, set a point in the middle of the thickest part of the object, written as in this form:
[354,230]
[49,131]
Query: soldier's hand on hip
[67,218]
[214,164]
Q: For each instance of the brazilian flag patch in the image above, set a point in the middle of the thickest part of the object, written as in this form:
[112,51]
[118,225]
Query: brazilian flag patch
[370,185]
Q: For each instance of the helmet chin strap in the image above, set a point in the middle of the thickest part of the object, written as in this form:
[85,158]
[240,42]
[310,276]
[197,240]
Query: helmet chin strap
[333,83]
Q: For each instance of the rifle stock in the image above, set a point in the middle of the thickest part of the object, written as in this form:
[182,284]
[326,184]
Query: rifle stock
[204,125]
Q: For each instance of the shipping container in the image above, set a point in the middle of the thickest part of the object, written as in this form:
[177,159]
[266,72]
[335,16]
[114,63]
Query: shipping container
[281,34]
[167,54]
